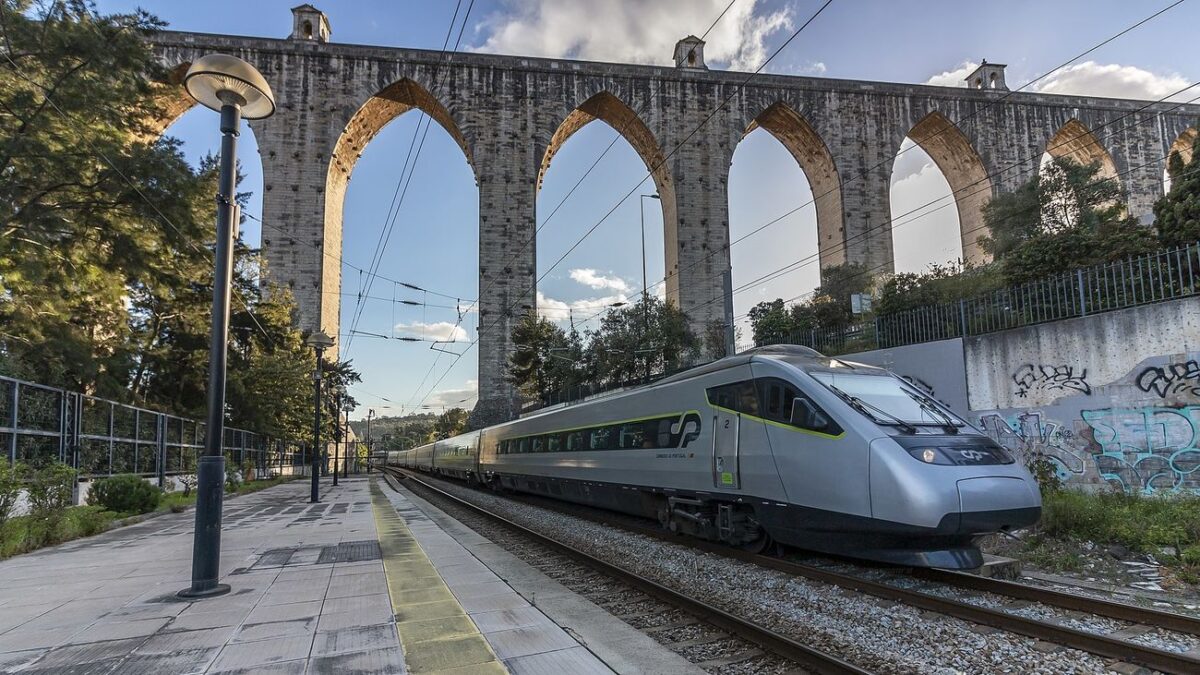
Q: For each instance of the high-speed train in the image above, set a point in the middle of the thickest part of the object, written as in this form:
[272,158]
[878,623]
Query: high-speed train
[777,444]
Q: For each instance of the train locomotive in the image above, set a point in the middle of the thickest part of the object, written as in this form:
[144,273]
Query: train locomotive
[776,444]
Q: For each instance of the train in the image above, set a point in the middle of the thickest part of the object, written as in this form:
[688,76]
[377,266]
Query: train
[777,445]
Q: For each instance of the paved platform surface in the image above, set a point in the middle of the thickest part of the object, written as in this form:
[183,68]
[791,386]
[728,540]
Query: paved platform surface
[371,580]
[309,594]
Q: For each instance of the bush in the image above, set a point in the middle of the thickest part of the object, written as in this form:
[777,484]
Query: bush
[125,494]
[1137,522]
[50,492]
[10,487]
[232,478]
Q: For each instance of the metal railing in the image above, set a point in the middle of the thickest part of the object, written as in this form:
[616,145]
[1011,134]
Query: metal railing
[1157,277]
[99,437]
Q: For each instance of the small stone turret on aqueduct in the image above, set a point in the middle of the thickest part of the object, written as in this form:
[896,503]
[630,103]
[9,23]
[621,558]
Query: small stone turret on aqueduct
[510,114]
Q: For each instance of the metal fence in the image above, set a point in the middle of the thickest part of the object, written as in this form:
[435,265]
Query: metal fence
[98,437]
[1142,280]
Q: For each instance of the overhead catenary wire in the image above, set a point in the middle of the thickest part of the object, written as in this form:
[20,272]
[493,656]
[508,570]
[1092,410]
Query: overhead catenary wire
[650,173]
[386,232]
[892,159]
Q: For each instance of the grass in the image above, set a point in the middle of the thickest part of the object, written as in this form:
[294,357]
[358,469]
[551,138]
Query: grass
[1154,524]
[23,534]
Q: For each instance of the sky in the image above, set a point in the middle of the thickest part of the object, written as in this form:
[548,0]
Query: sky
[435,245]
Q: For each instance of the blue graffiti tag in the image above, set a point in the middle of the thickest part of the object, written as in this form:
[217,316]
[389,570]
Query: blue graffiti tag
[1147,449]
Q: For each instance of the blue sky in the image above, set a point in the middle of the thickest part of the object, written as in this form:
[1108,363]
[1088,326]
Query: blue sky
[436,240]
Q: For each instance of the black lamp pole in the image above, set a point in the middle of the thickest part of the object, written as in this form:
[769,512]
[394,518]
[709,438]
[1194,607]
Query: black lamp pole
[231,86]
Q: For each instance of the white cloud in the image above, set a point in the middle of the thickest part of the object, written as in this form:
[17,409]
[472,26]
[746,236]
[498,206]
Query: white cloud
[813,68]
[632,31]
[561,312]
[1113,80]
[463,397]
[593,279]
[953,78]
[440,330]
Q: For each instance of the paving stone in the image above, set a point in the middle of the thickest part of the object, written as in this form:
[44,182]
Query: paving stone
[576,660]
[529,640]
[247,654]
[390,660]
[379,636]
[251,632]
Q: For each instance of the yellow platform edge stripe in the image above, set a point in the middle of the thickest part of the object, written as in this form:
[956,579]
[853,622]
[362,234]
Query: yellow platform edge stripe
[434,630]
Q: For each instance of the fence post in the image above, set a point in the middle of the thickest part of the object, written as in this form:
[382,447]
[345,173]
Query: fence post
[1082,297]
[962,316]
[160,437]
[14,419]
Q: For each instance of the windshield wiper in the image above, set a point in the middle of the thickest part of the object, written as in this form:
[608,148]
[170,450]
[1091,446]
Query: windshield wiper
[862,406]
[928,405]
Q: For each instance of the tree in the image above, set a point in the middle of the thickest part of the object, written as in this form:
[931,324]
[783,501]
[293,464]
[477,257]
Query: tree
[544,357]
[1177,213]
[636,341]
[1068,217]
[771,322]
[450,423]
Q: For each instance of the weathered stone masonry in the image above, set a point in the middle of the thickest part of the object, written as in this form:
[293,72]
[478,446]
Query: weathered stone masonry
[510,114]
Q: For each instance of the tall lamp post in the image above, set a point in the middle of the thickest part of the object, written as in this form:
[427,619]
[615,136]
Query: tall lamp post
[349,446]
[320,342]
[645,290]
[337,423]
[370,457]
[234,88]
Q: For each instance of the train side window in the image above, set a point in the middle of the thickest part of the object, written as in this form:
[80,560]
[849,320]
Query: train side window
[539,444]
[600,438]
[552,443]
[575,441]
[631,436]
[523,445]
[778,397]
[738,396]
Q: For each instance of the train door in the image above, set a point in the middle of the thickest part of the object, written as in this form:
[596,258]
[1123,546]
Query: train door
[726,432]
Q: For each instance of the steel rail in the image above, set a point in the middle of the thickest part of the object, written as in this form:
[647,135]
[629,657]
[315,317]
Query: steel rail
[808,657]
[1095,643]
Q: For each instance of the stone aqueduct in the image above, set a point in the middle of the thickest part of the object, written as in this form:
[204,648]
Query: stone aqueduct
[510,114]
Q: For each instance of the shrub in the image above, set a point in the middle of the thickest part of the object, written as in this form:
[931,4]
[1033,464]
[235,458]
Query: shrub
[188,481]
[10,488]
[1045,473]
[125,494]
[232,478]
[50,492]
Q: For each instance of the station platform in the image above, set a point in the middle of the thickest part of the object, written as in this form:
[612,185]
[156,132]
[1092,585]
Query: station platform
[370,580]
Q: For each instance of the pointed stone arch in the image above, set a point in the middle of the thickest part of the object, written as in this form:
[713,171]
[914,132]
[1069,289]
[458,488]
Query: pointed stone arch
[963,169]
[608,108]
[388,104]
[801,140]
[1076,142]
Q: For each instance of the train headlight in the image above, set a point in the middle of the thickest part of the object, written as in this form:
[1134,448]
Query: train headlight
[930,455]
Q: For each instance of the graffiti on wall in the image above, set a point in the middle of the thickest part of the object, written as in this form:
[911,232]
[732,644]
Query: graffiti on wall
[1171,380]
[1061,380]
[1147,449]
[1027,436]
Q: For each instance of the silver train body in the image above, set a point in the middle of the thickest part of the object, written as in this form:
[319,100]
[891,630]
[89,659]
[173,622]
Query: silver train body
[776,444]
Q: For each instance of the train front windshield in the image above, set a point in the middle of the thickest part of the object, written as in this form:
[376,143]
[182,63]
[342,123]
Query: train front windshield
[885,398]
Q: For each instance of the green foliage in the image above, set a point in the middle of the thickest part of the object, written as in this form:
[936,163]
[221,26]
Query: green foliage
[233,480]
[1070,216]
[1177,213]
[829,308]
[10,487]
[1046,474]
[125,493]
[105,248]
[450,423]
[25,533]
[632,343]
[49,491]
[1138,522]
[941,284]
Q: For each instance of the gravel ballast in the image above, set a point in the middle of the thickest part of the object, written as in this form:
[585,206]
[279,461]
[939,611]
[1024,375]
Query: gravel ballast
[884,637]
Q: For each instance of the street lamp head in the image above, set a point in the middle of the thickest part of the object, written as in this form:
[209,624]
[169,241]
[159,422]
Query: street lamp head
[216,80]
[618,304]
[653,196]
[319,340]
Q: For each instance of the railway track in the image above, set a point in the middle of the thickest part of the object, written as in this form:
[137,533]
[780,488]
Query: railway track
[1118,645]
[704,634]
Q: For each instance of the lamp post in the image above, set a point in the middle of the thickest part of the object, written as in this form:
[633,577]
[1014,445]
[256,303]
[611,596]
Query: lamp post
[645,290]
[349,446]
[234,88]
[337,423]
[370,450]
[320,342]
